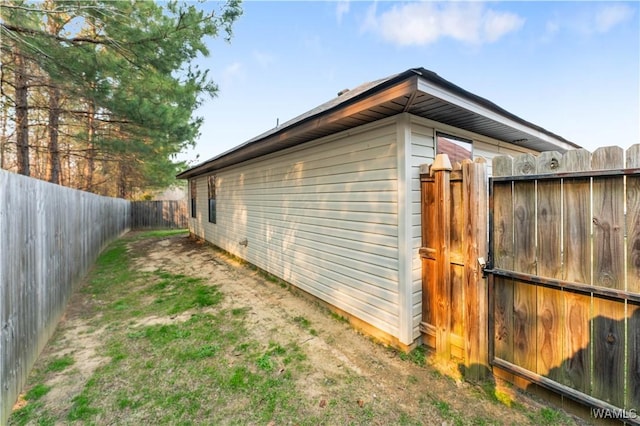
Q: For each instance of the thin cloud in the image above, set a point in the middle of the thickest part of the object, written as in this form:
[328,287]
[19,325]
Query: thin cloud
[342,8]
[232,73]
[417,24]
[610,16]
[263,59]
[591,20]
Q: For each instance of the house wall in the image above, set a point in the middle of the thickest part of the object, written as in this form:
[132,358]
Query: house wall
[322,216]
[339,217]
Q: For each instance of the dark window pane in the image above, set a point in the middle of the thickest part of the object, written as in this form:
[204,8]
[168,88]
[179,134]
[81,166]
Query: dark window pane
[212,211]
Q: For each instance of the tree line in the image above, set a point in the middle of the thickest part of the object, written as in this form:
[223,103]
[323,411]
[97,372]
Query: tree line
[100,95]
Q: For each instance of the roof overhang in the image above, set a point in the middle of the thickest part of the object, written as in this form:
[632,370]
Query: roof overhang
[416,91]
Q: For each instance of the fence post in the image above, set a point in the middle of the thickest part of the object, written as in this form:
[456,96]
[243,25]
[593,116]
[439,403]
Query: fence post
[475,203]
[442,173]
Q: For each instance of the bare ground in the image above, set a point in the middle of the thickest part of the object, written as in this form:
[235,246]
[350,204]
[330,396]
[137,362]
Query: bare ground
[336,353]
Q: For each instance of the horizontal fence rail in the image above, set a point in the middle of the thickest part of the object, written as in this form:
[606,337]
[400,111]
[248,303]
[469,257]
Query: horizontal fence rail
[164,214]
[49,238]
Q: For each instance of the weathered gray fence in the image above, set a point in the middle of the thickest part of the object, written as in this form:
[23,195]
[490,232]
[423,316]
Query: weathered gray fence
[49,238]
[159,214]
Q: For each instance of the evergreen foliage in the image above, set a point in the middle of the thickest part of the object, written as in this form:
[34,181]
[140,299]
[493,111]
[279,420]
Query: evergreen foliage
[102,94]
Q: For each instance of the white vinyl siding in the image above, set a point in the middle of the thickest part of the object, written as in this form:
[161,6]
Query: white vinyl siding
[422,152]
[322,216]
[329,216]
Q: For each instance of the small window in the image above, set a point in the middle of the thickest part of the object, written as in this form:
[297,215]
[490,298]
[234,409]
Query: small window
[212,199]
[193,197]
[457,149]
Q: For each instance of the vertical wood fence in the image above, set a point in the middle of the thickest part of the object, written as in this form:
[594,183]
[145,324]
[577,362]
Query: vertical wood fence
[562,305]
[49,238]
[454,242]
[565,237]
[159,214]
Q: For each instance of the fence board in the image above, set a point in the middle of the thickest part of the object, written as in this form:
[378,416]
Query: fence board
[550,312]
[633,221]
[163,214]
[475,235]
[608,341]
[503,252]
[503,214]
[549,261]
[456,227]
[524,216]
[550,332]
[443,231]
[576,365]
[457,300]
[633,355]
[49,238]
[608,219]
[524,325]
[503,318]
[577,218]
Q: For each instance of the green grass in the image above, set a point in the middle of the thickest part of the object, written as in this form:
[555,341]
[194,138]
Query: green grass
[445,410]
[548,417]
[417,356]
[59,364]
[37,392]
[161,233]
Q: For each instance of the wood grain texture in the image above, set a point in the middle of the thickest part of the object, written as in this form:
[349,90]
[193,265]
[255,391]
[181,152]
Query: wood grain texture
[503,214]
[548,162]
[503,326]
[457,325]
[550,332]
[575,160]
[502,165]
[608,341]
[633,233]
[608,220]
[524,325]
[524,216]
[428,295]
[633,157]
[443,280]
[476,291]
[524,164]
[633,356]
[576,371]
[577,218]
[549,220]
[428,214]
[456,246]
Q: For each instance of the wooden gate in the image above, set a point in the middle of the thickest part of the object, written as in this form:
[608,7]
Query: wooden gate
[454,242]
[564,273]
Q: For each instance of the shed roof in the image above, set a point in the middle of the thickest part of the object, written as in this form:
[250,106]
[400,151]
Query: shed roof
[417,91]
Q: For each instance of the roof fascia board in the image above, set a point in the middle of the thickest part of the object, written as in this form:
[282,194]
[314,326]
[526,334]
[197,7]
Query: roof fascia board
[404,87]
[445,95]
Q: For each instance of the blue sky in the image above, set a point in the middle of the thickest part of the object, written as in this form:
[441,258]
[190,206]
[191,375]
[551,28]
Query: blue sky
[570,67]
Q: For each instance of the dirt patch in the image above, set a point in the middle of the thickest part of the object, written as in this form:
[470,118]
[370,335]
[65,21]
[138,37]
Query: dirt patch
[346,365]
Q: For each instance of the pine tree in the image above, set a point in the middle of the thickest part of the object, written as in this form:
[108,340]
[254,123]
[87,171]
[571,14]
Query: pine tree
[117,82]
